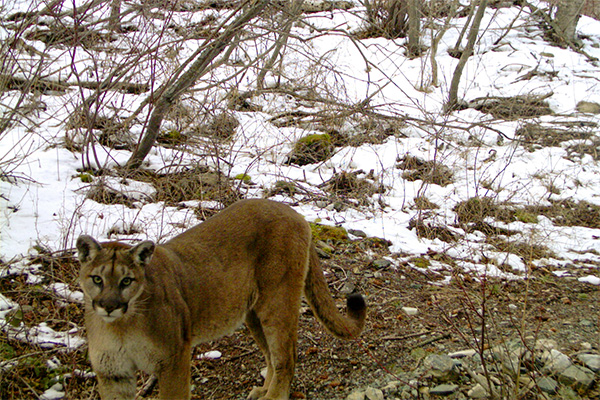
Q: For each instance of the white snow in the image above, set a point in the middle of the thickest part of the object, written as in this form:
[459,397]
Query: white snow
[211,355]
[55,392]
[594,280]
[44,205]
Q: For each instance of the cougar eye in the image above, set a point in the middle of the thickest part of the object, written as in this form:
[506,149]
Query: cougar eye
[126,281]
[96,279]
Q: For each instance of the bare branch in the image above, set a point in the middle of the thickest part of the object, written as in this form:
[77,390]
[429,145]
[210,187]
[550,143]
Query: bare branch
[187,79]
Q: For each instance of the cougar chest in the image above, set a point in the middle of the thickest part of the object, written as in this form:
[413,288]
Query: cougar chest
[121,346]
[144,353]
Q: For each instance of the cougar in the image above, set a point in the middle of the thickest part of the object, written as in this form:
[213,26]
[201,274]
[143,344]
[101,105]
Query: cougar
[147,305]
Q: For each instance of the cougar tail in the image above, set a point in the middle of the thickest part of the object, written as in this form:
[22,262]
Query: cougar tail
[319,298]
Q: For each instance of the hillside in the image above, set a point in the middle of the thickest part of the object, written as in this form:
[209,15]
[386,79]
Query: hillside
[486,218]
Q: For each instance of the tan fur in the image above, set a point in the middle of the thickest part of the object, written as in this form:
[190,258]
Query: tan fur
[146,306]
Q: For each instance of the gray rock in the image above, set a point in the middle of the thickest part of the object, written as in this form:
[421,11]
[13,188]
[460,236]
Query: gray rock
[510,349]
[477,392]
[339,206]
[321,203]
[547,384]
[463,353]
[586,323]
[441,367]
[373,394]
[348,287]
[357,233]
[356,395]
[391,386]
[579,378]
[510,355]
[511,364]
[546,344]
[410,310]
[443,390]
[382,263]
[591,361]
[483,381]
[588,107]
[555,362]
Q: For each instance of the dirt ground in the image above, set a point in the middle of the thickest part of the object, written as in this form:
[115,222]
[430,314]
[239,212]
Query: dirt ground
[466,313]
[544,306]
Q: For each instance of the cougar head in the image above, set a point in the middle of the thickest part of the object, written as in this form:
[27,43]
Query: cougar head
[112,275]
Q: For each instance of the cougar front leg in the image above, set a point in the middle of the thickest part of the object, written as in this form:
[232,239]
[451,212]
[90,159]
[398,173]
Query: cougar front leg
[116,387]
[115,373]
[174,376]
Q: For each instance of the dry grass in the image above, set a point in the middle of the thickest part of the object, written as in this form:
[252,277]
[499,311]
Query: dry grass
[353,188]
[173,188]
[195,183]
[428,230]
[512,108]
[427,171]
[103,194]
[570,213]
[536,136]
[26,372]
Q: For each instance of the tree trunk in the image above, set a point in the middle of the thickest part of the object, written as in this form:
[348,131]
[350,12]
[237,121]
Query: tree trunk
[435,41]
[414,27]
[466,53]
[187,79]
[294,9]
[395,26]
[567,16]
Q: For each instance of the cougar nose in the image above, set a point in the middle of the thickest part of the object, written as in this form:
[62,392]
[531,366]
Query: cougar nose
[111,305]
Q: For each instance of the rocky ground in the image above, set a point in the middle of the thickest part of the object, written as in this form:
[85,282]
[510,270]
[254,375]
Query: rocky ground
[429,333]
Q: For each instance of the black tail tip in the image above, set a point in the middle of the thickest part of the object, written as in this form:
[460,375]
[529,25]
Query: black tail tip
[355,302]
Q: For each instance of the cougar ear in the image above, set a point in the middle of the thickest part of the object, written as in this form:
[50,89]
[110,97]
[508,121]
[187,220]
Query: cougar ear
[142,253]
[87,248]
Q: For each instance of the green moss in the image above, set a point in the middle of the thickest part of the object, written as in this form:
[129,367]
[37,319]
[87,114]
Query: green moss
[173,135]
[310,140]
[85,177]
[311,149]
[418,354]
[243,177]
[285,187]
[526,217]
[327,233]
[421,262]
[15,318]
[6,351]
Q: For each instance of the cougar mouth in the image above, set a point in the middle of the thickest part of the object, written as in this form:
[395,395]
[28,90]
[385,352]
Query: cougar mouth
[110,311]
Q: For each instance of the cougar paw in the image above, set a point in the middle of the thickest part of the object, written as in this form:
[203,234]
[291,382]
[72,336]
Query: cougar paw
[257,393]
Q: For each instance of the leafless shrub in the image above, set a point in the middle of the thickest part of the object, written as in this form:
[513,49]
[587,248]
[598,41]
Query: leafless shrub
[425,229]
[100,192]
[194,183]
[311,149]
[221,126]
[387,18]
[423,203]
[352,188]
